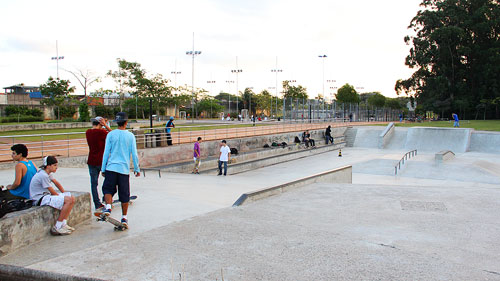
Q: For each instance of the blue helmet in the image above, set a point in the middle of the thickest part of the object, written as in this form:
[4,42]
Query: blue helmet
[171,117]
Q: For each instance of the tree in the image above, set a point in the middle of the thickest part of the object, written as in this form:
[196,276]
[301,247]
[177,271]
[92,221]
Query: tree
[455,53]
[85,78]
[56,92]
[249,101]
[209,105]
[347,94]
[263,102]
[377,100]
[294,92]
[83,109]
[393,103]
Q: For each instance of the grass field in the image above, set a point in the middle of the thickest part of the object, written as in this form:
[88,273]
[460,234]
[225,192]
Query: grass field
[480,125]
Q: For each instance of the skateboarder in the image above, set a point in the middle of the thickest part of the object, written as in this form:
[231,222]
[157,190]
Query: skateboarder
[196,156]
[42,193]
[25,170]
[224,156]
[96,139]
[120,145]
[456,123]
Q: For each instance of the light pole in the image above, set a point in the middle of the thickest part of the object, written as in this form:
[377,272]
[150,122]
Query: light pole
[57,58]
[237,71]
[276,71]
[212,82]
[193,53]
[323,57]
[175,73]
[229,82]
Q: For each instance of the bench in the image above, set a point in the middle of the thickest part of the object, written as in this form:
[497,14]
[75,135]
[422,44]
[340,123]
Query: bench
[23,228]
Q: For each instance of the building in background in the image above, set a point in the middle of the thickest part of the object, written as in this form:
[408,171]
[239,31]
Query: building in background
[23,95]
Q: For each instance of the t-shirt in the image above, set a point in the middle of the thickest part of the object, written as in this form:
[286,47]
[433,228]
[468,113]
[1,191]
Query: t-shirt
[224,153]
[96,139]
[40,184]
[455,117]
[23,190]
[120,145]
[196,149]
[169,125]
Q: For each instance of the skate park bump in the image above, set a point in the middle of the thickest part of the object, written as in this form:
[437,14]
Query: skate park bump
[338,175]
[23,228]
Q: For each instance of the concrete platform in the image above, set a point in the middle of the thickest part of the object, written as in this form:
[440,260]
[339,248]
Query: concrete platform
[435,223]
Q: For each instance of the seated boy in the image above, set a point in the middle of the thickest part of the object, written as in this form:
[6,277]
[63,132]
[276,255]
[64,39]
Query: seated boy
[42,193]
[25,170]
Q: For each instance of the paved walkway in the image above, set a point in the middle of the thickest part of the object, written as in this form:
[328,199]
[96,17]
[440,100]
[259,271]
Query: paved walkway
[321,232]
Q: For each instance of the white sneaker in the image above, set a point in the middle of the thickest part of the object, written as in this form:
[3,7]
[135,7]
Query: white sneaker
[69,228]
[60,231]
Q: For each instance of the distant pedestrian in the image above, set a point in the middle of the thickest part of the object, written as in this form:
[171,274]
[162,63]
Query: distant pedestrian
[120,147]
[456,123]
[400,117]
[224,157]
[328,135]
[168,127]
[96,140]
[196,156]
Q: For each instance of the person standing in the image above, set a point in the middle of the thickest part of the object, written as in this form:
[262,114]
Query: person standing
[120,146]
[456,123]
[25,170]
[96,140]
[168,128]
[224,156]
[42,193]
[328,135]
[196,156]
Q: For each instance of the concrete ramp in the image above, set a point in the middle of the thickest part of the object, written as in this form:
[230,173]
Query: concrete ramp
[487,142]
[398,140]
[368,136]
[437,139]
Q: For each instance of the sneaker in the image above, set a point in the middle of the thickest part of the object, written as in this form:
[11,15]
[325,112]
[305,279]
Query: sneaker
[220,174]
[69,228]
[60,231]
[100,209]
[125,223]
[106,212]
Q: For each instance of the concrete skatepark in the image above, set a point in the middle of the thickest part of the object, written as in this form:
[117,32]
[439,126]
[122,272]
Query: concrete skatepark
[433,221]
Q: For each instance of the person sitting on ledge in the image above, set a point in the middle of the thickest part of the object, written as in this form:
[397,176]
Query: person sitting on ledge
[42,193]
[25,170]
[306,138]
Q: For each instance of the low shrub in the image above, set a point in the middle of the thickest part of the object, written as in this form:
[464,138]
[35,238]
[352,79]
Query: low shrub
[22,118]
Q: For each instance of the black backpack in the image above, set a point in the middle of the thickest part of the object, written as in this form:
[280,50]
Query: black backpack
[266,145]
[234,151]
[297,140]
[9,206]
[284,144]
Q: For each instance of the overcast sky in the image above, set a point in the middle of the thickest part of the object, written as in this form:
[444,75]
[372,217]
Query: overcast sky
[363,41]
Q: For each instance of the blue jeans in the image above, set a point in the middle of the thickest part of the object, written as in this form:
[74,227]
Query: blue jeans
[328,138]
[94,176]
[456,124]
[220,167]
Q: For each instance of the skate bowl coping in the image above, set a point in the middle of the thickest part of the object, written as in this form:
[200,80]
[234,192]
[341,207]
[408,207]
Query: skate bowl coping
[444,155]
[386,136]
[337,175]
[26,227]
[15,273]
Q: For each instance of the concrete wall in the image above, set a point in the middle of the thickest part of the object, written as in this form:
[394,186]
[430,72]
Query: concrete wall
[22,127]
[487,142]
[437,139]
[29,226]
[338,175]
[386,136]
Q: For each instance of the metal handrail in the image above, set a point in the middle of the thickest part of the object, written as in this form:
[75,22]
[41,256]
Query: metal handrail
[407,156]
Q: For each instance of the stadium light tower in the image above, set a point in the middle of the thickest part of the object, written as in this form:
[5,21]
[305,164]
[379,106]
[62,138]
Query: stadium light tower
[57,58]
[193,53]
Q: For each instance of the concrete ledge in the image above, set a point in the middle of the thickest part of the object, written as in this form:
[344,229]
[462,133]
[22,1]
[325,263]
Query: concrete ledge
[19,229]
[444,155]
[17,273]
[386,136]
[338,175]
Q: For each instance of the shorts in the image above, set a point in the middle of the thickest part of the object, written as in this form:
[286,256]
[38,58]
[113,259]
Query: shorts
[114,179]
[54,201]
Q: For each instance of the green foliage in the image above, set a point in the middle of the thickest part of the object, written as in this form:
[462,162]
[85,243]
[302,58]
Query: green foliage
[66,111]
[377,100]
[294,92]
[11,110]
[21,118]
[104,111]
[56,93]
[249,100]
[83,109]
[208,105]
[393,103]
[347,94]
[456,56]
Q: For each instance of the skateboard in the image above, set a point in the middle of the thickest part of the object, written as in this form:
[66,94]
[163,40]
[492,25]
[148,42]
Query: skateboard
[118,225]
[132,198]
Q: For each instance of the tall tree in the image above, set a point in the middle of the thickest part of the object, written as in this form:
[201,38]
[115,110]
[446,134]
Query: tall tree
[56,92]
[377,100]
[347,94]
[294,92]
[85,78]
[455,53]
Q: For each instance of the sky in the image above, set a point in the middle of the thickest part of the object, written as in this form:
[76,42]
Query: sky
[362,39]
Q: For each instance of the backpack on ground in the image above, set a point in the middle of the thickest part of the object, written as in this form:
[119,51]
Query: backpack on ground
[297,140]
[266,145]
[274,144]
[9,206]
[284,144]
[234,151]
